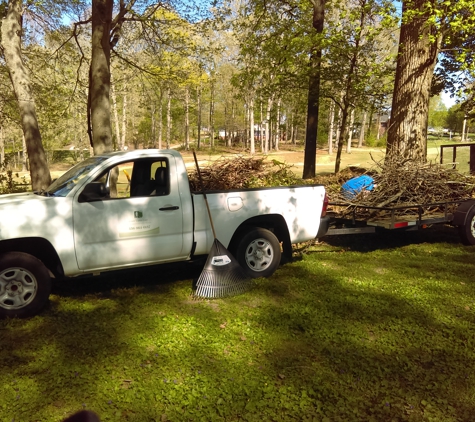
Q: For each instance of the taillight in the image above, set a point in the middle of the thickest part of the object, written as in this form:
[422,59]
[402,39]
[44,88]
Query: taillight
[325,205]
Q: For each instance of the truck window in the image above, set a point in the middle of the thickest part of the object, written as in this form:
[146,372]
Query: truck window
[143,177]
[63,185]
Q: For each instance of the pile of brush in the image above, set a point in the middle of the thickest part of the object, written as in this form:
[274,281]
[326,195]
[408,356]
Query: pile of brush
[242,172]
[398,182]
[403,182]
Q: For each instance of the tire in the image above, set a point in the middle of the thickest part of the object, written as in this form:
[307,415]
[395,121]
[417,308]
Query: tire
[258,252]
[25,285]
[467,231]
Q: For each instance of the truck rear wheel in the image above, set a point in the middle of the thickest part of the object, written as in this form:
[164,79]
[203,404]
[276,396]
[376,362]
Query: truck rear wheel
[25,285]
[259,253]
[467,231]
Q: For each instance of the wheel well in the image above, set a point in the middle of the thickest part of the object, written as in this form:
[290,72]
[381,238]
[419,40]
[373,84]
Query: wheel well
[460,215]
[275,223]
[39,248]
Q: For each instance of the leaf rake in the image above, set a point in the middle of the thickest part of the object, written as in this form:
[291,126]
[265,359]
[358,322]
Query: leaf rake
[222,275]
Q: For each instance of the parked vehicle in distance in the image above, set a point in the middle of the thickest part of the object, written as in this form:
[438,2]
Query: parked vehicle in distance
[135,208]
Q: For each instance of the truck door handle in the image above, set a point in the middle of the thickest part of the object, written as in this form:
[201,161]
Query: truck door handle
[170,208]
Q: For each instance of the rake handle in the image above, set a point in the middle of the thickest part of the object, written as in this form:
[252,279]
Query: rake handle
[204,194]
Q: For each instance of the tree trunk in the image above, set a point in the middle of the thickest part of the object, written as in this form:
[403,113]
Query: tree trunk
[267,125]
[251,126]
[211,115]
[24,157]
[116,116]
[277,125]
[464,126]
[417,56]
[11,42]
[124,120]
[310,155]
[331,127]
[362,130]
[160,119]
[350,131]
[153,125]
[187,118]
[343,133]
[2,147]
[169,118]
[99,83]
[198,107]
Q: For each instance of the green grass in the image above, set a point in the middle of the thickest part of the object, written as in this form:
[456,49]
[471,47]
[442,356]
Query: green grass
[359,328]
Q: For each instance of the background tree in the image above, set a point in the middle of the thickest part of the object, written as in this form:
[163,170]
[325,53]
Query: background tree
[313,101]
[12,50]
[426,27]
[358,59]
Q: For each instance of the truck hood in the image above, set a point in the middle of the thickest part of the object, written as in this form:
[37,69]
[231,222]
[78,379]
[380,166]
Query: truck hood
[15,198]
[27,214]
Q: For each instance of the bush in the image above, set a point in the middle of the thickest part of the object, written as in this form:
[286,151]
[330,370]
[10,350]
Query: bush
[372,141]
[9,185]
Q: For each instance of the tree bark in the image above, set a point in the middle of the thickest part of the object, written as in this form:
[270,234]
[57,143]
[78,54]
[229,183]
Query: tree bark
[11,42]
[169,117]
[2,147]
[362,130]
[198,107]
[252,141]
[350,131]
[342,135]
[417,57]
[116,116]
[187,118]
[211,113]
[331,125]
[310,155]
[99,84]
[270,102]
[124,120]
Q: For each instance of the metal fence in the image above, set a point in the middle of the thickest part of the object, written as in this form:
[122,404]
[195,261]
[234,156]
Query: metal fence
[460,156]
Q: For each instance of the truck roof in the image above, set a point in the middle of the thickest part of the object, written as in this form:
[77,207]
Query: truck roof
[137,153]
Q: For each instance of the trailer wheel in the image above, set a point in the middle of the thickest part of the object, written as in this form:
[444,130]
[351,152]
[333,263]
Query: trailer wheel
[467,231]
[259,253]
[25,285]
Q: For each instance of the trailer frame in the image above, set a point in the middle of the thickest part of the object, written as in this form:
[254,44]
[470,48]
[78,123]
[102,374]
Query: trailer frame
[458,213]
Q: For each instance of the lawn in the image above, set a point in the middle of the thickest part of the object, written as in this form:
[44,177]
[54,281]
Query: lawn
[356,328]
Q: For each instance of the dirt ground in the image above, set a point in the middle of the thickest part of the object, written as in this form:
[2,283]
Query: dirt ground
[289,154]
[361,157]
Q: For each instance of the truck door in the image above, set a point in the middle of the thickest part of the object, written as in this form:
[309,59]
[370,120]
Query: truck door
[131,214]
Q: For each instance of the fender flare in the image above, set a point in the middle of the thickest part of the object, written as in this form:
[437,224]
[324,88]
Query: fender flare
[460,215]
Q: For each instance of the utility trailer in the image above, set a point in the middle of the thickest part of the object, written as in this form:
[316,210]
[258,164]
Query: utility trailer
[352,218]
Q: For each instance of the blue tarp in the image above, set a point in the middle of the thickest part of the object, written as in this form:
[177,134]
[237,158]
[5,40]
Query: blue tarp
[353,187]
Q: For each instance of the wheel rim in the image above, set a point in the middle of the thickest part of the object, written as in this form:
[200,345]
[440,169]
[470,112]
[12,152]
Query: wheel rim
[472,226]
[259,254]
[18,288]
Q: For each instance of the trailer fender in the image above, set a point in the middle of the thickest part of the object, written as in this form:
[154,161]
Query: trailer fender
[463,211]
[464,218]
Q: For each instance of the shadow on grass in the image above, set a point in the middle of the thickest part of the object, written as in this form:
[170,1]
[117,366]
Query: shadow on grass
[313,341]
[368,353]
[152,277]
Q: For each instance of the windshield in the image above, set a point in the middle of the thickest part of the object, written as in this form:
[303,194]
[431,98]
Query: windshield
[64,184]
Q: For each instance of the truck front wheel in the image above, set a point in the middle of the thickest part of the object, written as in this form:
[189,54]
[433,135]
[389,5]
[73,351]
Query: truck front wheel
[25,285]
[467,231]
[259,253]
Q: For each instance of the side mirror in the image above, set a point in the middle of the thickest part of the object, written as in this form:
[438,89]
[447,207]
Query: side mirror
[94,191]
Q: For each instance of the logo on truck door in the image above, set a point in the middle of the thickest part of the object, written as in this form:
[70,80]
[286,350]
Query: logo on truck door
[138,227]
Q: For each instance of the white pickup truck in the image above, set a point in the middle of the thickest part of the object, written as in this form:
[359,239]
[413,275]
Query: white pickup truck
[129,209]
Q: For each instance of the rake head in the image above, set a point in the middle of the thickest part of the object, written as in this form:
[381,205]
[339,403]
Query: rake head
[221,276]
